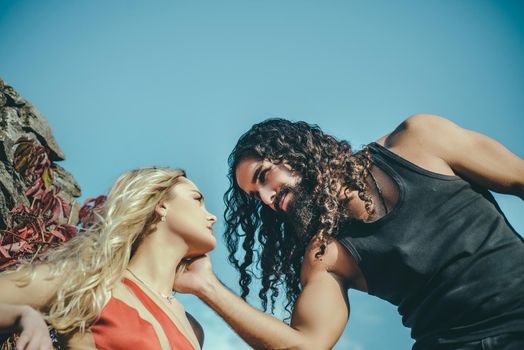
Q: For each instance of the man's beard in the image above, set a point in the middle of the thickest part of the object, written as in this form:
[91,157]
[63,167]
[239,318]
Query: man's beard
[302,215]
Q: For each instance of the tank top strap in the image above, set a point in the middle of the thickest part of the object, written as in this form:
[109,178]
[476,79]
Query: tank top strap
[176,338]
[385,155]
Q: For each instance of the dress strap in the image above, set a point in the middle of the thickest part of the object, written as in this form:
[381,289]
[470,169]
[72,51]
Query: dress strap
[177,339]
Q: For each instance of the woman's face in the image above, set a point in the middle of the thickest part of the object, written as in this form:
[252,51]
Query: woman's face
[187,216]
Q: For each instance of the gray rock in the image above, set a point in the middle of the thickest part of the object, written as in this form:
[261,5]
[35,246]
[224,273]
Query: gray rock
[18,117]
[11,192]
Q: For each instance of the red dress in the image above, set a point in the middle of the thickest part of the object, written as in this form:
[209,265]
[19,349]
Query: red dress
[120,327]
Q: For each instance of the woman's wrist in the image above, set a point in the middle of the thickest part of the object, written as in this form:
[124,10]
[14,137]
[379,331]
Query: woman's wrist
[24,312]
[12,316]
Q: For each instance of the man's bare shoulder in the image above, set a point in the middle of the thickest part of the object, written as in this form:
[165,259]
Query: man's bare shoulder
[422,139]
[336,259]
[420,129]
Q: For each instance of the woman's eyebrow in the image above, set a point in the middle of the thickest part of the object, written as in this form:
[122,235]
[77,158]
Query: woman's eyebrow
[198,192]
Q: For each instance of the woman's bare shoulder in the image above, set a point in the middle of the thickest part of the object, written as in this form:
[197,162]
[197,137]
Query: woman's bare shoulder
[35,289]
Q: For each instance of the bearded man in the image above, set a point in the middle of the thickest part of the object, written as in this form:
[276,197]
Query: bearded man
[408,219]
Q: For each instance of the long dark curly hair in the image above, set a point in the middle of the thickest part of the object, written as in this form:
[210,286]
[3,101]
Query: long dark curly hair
[273,249]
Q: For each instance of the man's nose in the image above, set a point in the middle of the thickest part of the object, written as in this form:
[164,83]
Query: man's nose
[267,195]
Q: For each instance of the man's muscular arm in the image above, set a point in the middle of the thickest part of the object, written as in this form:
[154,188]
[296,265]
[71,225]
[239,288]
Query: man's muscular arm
[319,317]
[469,154]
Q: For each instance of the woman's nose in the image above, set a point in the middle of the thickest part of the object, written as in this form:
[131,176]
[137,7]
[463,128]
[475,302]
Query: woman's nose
[212,218]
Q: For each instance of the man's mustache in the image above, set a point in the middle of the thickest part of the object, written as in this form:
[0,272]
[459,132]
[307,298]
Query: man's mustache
[283,191]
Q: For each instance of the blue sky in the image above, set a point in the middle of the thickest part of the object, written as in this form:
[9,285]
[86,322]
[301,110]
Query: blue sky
[175,83]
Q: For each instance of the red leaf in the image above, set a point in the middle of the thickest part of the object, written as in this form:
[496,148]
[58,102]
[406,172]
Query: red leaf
[66,207]
[86,211]
[20,208]
[4,252]
[96,201]
[7,264]
[27,247]
[71,230]
[55,213]
[48,201]
[35,187]
[67,230]
[88,201]
[13,247]
[23,245]
[100,200]
[22,232]
[58,234]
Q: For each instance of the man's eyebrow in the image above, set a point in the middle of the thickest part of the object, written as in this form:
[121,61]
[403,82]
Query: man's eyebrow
[255,175]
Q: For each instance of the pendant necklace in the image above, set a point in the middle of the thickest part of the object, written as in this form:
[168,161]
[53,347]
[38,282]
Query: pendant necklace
[169,298]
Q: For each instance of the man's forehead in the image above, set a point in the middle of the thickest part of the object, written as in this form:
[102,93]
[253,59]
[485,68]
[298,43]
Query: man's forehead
[245,170]
[249,165]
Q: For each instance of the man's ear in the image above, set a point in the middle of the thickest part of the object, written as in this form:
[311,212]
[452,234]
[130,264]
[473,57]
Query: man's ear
[286,164]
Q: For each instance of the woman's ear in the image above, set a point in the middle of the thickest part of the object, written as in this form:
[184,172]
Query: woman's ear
[161,209]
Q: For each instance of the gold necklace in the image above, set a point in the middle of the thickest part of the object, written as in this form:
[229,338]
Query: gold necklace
[169,298]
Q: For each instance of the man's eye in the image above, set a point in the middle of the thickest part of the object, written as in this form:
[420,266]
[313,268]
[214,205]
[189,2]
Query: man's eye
[262,176]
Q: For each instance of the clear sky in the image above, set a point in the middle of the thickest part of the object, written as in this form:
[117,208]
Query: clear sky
[129,83]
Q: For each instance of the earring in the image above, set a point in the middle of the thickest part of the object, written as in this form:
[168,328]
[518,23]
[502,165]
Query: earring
[163,218]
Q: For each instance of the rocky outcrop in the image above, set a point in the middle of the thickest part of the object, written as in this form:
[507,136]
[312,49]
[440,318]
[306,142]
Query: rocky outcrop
[19,118]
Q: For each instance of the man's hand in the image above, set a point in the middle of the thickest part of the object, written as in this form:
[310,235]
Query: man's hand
[194,276]
[320,314]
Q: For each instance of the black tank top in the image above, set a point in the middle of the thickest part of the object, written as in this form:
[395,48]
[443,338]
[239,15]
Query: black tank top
[445,255]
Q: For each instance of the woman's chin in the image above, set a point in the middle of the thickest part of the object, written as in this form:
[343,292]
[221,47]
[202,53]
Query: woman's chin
[204,247]
[212,245]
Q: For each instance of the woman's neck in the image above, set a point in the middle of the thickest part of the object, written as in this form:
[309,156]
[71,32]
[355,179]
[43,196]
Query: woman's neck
[156,259]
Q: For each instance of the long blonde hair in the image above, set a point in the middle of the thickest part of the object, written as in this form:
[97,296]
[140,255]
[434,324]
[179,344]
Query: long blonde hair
[95,260]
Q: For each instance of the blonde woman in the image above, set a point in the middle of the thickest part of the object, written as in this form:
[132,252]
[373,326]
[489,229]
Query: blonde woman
[111,286]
